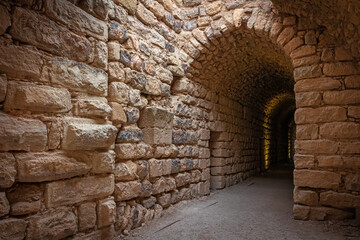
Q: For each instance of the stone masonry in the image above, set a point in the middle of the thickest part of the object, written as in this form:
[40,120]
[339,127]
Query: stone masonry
[113,110]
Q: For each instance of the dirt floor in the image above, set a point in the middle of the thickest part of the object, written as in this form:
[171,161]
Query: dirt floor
[259,208]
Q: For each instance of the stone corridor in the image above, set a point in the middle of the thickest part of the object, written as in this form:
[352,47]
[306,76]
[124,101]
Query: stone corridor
[113,111]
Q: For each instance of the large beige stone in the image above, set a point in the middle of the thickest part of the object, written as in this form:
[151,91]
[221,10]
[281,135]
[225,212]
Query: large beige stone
[319,115]
[144,15]
[339,200]
[3,87]
[84,136]
[342,130]
[119,92]
[316,146]
[76,190]
[75,18]
[319,84]
[48,166]
[4,204]
[133,151]
[127,190]
[22,134]
[25,199]
[304,161]
[21,62]
[7,170]
[103,162]
[155,117]
[93,107]
[342,97]
[128,4]
[341,69]
[77,76]
[12,229]
[118,115]
[37,98]
[125,171]
[87,215]
[316,179]
[52,224]
[106,211]
[38,30]
[305,197]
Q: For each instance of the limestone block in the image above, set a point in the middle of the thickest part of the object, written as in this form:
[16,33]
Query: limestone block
[204,188]
[132,114]
[324,213]
[166,166]
[76,190]
[77,76]
[20,62]
[342,97]
[127,190]
[303,51]
[164,200]
[5,20]
[142,169]
[130,134]
[22,134]
[320,115]
[54,224]
[48,166]
[343,130]
[164,75]
[312,71]
[316,146]
[38,30]
[103,162]
[330,161]
[157,136]
[146,189]
[155,117]
[128,4]
[118,32]
[307,132]
[93,107]
[137,80]
[84,136]
[37,98]
[159,186]
[352,181]
[320,84]
[339,200]
[293,44]
[12,229]
[354,111]
[25,199]
[352,82]
[106,211]
[341,69]
[182,179]
[310,60]
[350,148]
[308,99]
[153,87]
[114,55]
[133,151]
[217,182]
[116,69]
[119,92]
[155,167]
[305,197]
[170,184]
[118,115]
[4,204]
[7,170]
[145,16]
[125,171]
[286,35]
[3,86]
[149,202]
[87,216]
[301,212]
[310,37]
[99,8]
[316,179]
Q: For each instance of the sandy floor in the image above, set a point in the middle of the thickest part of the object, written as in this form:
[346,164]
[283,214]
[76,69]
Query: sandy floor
[259,208]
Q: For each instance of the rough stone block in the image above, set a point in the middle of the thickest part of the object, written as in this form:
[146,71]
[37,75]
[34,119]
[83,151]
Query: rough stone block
[316,146]
[156,168]
[5,20]
[352,181]
[3,85]
[286,35]
[52,224]
[319,84]
[130,135]
[93,107]
[164,200]
[313,71]
[301,212]
[25,199]
[342,97]
[343,130]
[352,82]
[76,190]
[339,200]
[22,134]
[118,32]
[142,169]
[106,211]
[307,132]
[341,69]
[320,115]
[182,179]
[127,190]
[4,204]
[103,162]
[133,151]
[87,216]
[308,99]
[128,4]
[38,30]
[37,98]
[119,92]
[12,229]
[47,166]
[324,213]
[75,18]
[157,136]
[77,76]
[84,136]
[7,170]
[316,179]
[118,115]
[116,69]
[330,161]
[217,182]
[354,111]
[126,171]
[145,16]
[305,197]
[21,62]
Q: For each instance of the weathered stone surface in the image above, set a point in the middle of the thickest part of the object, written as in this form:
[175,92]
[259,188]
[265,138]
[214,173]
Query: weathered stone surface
[316,146]
[5,20]
[106,212]
[342,97]
[341,69]
[132,114]
[4,204]
[40,167]
[103,162]
[118,32]
[155,117]
[354,111]
[286,35]
[342,130]
[119,92]
[126,171]
[38,30]
[75,18]
[145,16]
[21,62]
[12,229]
[164,200]
[129,134]
[77,76]
[308,99]
[320,84]
[83,136]
[118,115]
[7,170]
[352,82]
[127,190]
[52,224]
[305,197]
[339,200]
[137,80]
[93,107]
[133,151]
[76,190]
[128,4]
[37,98]
[98,8]
[157,136]
[330,161]
[316,179]
[319,115]
[308,131]
[313,71]
[155,167]
[22,134]
[3,87]
[87,215]
[25,199]
[352,181]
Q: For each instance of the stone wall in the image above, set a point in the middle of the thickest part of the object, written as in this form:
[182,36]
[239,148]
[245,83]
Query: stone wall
[111,111]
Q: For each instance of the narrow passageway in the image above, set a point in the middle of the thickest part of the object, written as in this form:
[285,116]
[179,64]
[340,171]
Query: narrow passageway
[259,208]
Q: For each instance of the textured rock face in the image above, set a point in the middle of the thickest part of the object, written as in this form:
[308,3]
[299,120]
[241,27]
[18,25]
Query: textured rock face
[112,110]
